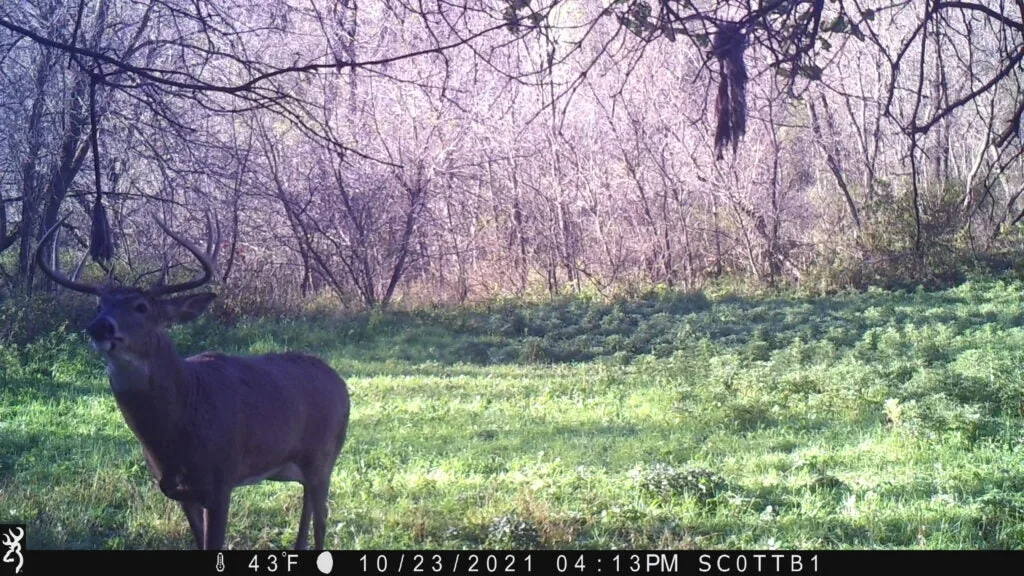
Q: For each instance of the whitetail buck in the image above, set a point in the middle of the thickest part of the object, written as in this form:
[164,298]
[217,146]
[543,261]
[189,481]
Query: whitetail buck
[213,422]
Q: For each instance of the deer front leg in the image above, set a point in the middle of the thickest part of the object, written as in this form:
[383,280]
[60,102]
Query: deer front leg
[194,513]
[215,519]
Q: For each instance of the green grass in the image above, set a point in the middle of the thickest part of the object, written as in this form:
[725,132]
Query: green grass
[871,420]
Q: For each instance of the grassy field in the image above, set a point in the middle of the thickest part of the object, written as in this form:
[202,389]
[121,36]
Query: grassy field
[871,420]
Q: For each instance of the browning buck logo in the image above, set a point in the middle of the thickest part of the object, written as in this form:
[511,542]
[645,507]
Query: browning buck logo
[11,538]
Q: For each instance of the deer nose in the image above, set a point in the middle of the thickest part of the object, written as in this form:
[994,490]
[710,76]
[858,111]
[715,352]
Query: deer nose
[101,328]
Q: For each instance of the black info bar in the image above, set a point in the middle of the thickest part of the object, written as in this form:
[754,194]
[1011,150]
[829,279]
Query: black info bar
[505,562]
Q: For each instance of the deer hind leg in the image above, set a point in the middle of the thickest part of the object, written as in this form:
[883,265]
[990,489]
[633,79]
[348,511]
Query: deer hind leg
[316,480]
[302,541]
[194,513]
[318,488]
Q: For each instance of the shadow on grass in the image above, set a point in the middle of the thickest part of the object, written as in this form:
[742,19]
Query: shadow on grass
[41,388]
[568,330]
[578,330]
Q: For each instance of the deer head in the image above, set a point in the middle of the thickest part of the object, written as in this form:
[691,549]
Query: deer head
[128,317]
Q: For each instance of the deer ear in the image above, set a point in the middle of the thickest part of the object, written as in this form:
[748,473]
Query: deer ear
[181,309]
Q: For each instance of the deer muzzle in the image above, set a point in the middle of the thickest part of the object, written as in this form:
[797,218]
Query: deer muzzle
[103,332]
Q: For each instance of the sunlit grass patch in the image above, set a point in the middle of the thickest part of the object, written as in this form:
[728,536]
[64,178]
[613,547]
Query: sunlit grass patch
[873,420]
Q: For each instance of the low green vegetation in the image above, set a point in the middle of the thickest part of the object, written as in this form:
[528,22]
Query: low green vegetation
[880,419]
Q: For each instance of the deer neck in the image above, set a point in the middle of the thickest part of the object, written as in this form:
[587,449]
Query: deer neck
[153,390]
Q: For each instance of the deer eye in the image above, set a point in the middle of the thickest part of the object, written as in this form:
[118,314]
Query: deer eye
[142,307]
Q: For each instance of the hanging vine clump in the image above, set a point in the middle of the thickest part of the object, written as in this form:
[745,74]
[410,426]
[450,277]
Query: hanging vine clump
[731,103]
[101,243]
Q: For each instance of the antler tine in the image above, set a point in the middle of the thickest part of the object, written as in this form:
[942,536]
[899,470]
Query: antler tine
[78,269]
[208,268]
[56,276]
[160,280]
[163,273]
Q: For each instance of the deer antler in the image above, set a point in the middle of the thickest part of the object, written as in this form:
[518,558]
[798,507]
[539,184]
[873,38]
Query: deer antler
[57,277]
[160,289]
